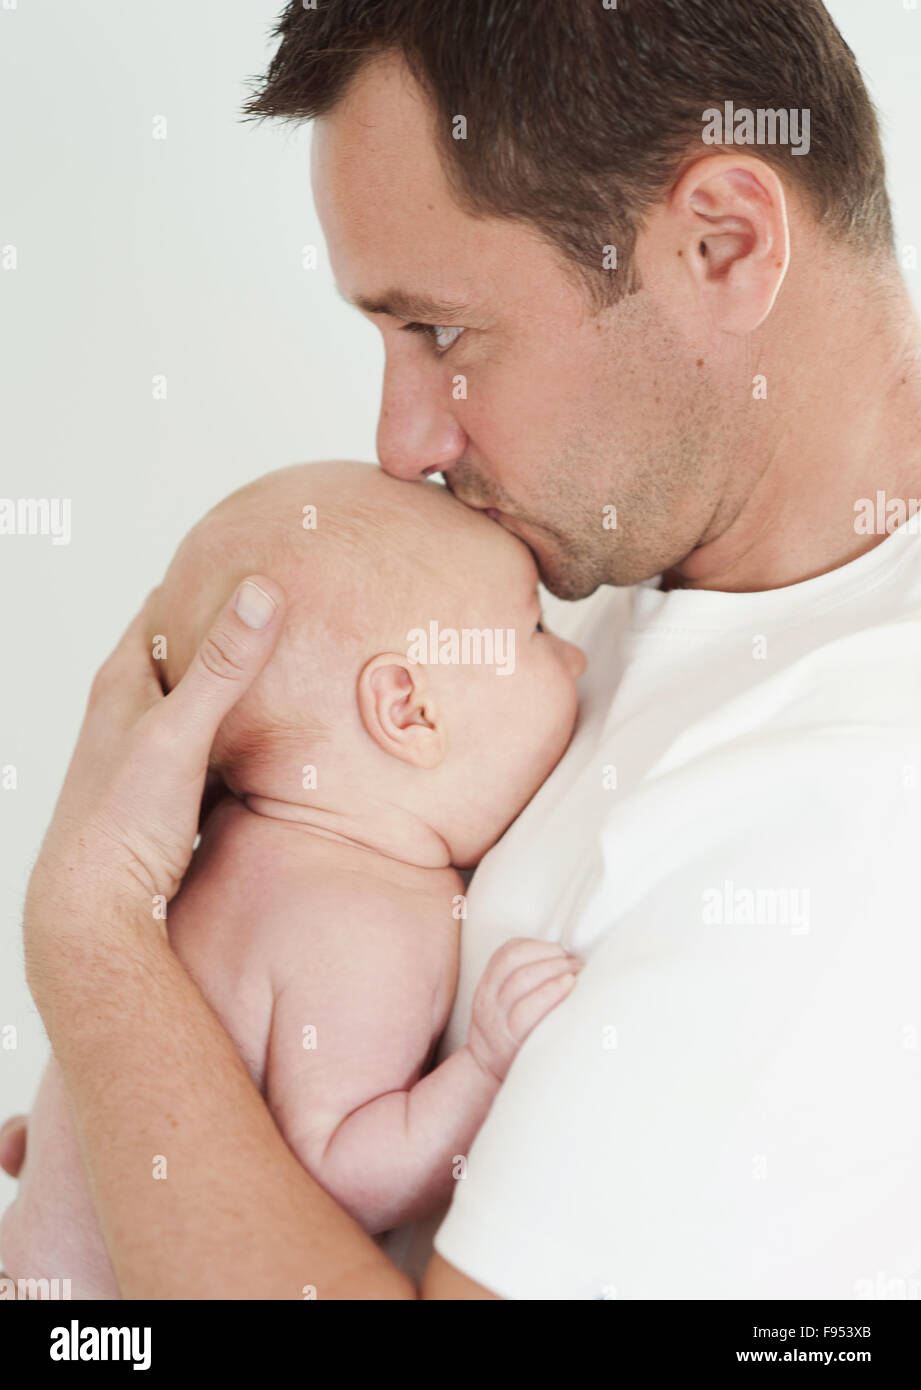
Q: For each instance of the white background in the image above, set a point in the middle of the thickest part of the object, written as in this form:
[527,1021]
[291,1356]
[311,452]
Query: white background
[183,256]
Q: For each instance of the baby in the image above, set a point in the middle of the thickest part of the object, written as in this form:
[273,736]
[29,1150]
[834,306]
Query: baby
[414,705]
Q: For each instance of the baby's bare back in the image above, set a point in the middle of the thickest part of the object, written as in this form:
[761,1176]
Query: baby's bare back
[332,968]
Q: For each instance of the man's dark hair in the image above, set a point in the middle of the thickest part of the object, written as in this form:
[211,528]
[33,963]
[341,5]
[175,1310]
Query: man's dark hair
[579,117]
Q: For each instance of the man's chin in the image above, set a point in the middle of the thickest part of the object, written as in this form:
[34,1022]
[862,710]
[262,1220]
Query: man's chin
[568,587]
[559,574]
[561,577]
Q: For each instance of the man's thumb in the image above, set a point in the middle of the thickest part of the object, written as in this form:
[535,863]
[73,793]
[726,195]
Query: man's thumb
[237,646]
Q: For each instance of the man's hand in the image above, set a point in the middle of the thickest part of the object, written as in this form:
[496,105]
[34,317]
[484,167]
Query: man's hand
[125,822]
[523,981]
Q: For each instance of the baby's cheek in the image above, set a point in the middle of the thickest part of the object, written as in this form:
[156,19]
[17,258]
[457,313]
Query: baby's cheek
[551,733]
[564,711]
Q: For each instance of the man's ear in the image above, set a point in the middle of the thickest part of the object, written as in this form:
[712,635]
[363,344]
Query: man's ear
[397,710]
[735,236]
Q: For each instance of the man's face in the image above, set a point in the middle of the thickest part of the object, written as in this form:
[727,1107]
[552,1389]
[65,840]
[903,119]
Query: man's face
[584,433]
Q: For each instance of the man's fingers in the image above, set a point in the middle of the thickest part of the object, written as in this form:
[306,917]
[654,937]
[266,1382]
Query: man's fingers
[13,1145]
[126,680]
[237,646]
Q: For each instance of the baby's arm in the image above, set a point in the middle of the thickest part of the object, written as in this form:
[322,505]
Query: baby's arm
[392,1159]
[50,1232]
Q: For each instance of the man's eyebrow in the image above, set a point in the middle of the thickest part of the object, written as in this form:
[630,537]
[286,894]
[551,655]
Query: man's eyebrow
[402,304]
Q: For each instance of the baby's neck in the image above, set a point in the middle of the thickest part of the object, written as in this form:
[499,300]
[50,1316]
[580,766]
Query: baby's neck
[379,829]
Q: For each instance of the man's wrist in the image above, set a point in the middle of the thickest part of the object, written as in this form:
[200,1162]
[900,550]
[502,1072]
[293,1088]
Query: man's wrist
[74,955]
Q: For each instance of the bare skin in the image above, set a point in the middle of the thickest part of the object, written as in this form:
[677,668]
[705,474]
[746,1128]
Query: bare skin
[647,407]
[335,905]
[13,1144]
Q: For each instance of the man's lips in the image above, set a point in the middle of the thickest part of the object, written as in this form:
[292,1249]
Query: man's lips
[519,529]
[492,512]
[508,523]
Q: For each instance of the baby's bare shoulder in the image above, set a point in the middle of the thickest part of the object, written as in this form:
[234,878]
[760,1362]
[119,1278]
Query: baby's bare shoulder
[272,920]
[269,890]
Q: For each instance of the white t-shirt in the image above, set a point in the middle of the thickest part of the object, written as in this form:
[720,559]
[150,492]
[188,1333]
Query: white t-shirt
[729,1103]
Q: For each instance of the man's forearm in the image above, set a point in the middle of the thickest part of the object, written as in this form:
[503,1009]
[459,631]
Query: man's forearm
[197,1193]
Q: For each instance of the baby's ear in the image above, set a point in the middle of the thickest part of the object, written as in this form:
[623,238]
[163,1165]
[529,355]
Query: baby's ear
[398,712]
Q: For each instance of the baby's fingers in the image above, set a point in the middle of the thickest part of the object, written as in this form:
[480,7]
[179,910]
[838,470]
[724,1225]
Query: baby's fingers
[525,1015]
[530,976]
[13,1145]
[518,951]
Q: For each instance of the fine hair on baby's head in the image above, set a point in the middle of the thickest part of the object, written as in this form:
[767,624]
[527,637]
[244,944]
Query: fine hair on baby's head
[365,560]
[351,547]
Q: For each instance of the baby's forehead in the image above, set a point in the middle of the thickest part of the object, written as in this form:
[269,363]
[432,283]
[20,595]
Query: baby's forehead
[316,524]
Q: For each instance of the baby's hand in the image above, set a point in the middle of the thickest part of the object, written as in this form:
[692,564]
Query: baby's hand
[523,981]
[13,1145]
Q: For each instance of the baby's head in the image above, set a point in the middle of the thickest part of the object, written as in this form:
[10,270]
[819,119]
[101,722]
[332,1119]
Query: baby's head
[412,679]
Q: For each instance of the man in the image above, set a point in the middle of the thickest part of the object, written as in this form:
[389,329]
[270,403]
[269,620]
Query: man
[688,369]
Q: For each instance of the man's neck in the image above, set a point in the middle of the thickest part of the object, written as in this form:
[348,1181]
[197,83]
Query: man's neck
[846,424]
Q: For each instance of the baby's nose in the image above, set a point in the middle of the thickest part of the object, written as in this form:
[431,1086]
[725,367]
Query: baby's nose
[576,659]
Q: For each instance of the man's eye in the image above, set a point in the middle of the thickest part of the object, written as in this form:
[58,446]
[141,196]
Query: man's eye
[446,337]
[442,337]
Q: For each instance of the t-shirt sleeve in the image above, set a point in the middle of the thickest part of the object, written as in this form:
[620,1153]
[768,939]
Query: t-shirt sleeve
[729,1103]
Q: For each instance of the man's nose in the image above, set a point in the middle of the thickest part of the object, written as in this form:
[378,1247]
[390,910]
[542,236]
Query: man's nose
[417,432]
